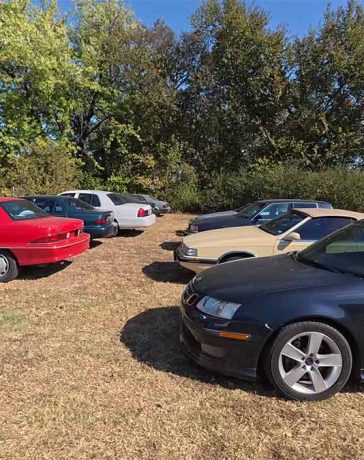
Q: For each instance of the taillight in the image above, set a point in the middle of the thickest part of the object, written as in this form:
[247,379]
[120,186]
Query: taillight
[52,238]
[142,212]
[101,221]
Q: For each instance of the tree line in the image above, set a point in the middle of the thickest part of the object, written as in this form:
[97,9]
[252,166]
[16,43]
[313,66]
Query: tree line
[98,99]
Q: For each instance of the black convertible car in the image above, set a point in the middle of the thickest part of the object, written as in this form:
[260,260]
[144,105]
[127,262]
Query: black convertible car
[252,214]
[297,318]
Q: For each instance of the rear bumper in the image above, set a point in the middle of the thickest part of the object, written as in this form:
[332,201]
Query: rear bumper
[100,231]
[36,254]
[137,223]
[165,210]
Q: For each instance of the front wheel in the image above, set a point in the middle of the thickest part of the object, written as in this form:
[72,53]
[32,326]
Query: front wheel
[8,267]
[309,361]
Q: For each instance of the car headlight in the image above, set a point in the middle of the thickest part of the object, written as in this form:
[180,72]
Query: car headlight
[188,251]
[194,228]
[218,308]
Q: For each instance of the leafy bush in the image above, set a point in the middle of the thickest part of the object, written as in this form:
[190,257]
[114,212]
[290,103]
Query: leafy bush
[344,188]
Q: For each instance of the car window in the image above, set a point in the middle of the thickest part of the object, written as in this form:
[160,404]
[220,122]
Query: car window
[342,252]
[47,204]
[318,228]
[59,207]
[118,199]
[22,210]
[325,205]
[86,197]
[68,194]
[90,198]
[304,204]
[78,205]
[252,209]
[284,223]
[273,210]
[140,198]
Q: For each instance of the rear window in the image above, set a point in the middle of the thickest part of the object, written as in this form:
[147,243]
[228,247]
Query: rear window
[78,205]
[22,210]
[118,199]
[68,194]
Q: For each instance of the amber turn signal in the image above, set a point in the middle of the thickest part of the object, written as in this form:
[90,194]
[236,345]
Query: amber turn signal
[234,335]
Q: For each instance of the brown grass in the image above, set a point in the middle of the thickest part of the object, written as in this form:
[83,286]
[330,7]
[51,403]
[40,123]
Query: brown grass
[91,368]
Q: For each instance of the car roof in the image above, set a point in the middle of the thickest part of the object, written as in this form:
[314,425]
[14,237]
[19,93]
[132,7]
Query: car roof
[280,200]
[314,212]
[103,192]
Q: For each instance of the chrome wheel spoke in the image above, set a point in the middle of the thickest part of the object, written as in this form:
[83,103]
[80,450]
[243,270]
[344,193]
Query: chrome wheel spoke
[294,375]
[293,352]
[318,381]
[332,360]
[314,343]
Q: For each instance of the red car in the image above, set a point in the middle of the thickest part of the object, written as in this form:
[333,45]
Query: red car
[29,236]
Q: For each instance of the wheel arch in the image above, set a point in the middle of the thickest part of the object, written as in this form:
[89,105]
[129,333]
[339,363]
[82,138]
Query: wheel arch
[10,252]
[321,319]
[244,254]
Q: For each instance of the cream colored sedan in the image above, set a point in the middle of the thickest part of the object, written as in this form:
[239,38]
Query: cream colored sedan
[291,232]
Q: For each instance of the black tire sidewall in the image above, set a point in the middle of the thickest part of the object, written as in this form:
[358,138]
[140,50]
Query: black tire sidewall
[297,328]
[13,267]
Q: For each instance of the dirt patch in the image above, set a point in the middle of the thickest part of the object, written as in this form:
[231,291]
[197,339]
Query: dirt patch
[90,367]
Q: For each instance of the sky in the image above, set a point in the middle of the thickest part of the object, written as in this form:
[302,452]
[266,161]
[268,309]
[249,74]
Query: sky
[297,15]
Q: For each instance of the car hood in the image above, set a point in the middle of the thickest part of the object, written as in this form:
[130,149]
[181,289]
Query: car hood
[235,236]
[213,215]
[241,280]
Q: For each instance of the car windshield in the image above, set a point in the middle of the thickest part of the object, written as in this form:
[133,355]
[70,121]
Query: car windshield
[283,223]
[78,205]
[251,210]
[22,210]
[340,252]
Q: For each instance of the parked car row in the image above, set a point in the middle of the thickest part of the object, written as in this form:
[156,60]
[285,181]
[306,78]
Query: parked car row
[283,300]
[45,229]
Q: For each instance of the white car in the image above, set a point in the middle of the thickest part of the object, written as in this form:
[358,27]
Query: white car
[128,216]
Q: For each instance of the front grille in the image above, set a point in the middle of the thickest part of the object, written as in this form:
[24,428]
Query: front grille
[190,297]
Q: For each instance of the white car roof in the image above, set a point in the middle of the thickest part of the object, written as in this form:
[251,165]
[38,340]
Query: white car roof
[99,192]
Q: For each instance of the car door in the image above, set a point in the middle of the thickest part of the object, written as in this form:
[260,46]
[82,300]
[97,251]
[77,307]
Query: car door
[311,231]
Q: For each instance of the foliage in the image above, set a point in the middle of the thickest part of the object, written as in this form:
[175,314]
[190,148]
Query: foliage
[232,109]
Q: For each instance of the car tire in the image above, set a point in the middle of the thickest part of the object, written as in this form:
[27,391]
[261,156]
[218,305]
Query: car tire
[297,366]
[116,229]
[9,269]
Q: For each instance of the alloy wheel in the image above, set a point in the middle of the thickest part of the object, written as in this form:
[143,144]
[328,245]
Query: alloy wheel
[310,363]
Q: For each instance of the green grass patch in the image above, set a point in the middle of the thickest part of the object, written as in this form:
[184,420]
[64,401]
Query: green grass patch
[11,320]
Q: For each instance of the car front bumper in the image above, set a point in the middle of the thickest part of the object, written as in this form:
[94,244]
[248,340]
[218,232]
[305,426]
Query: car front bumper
[200,340]
[192,263]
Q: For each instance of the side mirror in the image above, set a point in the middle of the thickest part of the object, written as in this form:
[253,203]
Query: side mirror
[294,236]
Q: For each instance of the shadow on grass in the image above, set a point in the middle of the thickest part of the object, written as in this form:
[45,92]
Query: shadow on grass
[42,271]
[129,233]
[170,245]
[168,272]
[95,243]
[153,339]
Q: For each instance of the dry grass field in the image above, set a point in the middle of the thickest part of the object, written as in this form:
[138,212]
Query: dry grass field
[90,368]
